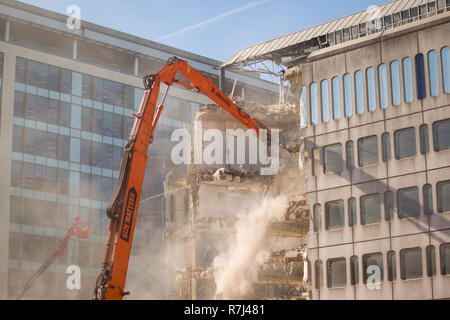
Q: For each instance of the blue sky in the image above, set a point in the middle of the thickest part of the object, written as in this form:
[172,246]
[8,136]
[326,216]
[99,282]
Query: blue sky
[216,29]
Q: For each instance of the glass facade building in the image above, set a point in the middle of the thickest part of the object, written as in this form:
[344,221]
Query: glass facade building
[67,102]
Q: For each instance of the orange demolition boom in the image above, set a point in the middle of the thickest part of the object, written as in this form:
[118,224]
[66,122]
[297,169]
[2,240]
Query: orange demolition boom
[123,206]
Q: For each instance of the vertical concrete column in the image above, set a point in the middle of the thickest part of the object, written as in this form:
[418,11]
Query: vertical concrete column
[6,129]
[75,49]
[136,66]
[243,93]
[7,30]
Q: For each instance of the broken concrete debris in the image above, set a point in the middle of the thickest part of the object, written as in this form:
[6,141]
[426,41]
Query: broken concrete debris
[219,202]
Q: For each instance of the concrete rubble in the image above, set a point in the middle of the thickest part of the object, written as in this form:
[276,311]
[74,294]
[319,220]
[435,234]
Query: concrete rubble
[217,193]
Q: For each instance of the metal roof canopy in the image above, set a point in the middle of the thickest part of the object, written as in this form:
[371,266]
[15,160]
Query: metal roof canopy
[296,43]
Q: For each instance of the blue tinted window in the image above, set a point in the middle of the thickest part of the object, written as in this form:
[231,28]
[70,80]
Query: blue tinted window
[420,77]
[348,95]
[371,96]
[325,101]
[407,78]
[434,73]
[336,98]
[304,102]
[314,104]
[395,82]
[359,87]
[445,55]
[383,86]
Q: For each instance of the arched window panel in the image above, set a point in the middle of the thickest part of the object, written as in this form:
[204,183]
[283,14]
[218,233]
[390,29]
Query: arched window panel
[383,86]
[348,95]
[433,73]
[304,109]
[336,98]
[395,83]
[371,91]
[314,104]
[325,101]
[408,80]
[359,87]
[420,77]
[445,56]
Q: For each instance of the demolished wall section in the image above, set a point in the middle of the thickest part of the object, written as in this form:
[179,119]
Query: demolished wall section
[223,197]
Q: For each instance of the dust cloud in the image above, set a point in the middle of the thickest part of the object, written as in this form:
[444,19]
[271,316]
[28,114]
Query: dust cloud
[237,269]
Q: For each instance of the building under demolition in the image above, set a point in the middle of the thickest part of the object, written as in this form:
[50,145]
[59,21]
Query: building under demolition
[219,228]
[357,208]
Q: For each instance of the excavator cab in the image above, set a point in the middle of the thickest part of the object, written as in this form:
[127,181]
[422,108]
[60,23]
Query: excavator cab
[81,227]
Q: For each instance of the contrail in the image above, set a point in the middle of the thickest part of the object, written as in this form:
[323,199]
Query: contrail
[214,19]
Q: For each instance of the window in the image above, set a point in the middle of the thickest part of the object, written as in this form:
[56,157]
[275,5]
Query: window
[395,83]
[86,118]
[117,124]
[350,153]
[371,95]
[317,221]
[304,116]
[433,73]
[370,209]
[445,56]
[66,81]
[389,205]
[428,199]
[373,267]
[408,203]
[441,135]
[318,268]
[64,114]
[20,70]
[19,100]
[405,143]
[335,216]
[336,98]
[408,80]
[383,86]
[368,151]
[337,273]
[424,139]
[333,158]
[392,266]
[325,101]
[411,263]
[354,271]
[420,77]
[445,259]
[386,146]
[130,97]
[431,261]
[314,104]
[443,196]
[352,219]
[87,86]
[348,95]
[359,87]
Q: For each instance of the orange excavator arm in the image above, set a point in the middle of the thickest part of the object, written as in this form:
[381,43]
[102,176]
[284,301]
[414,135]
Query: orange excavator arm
[123,206]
